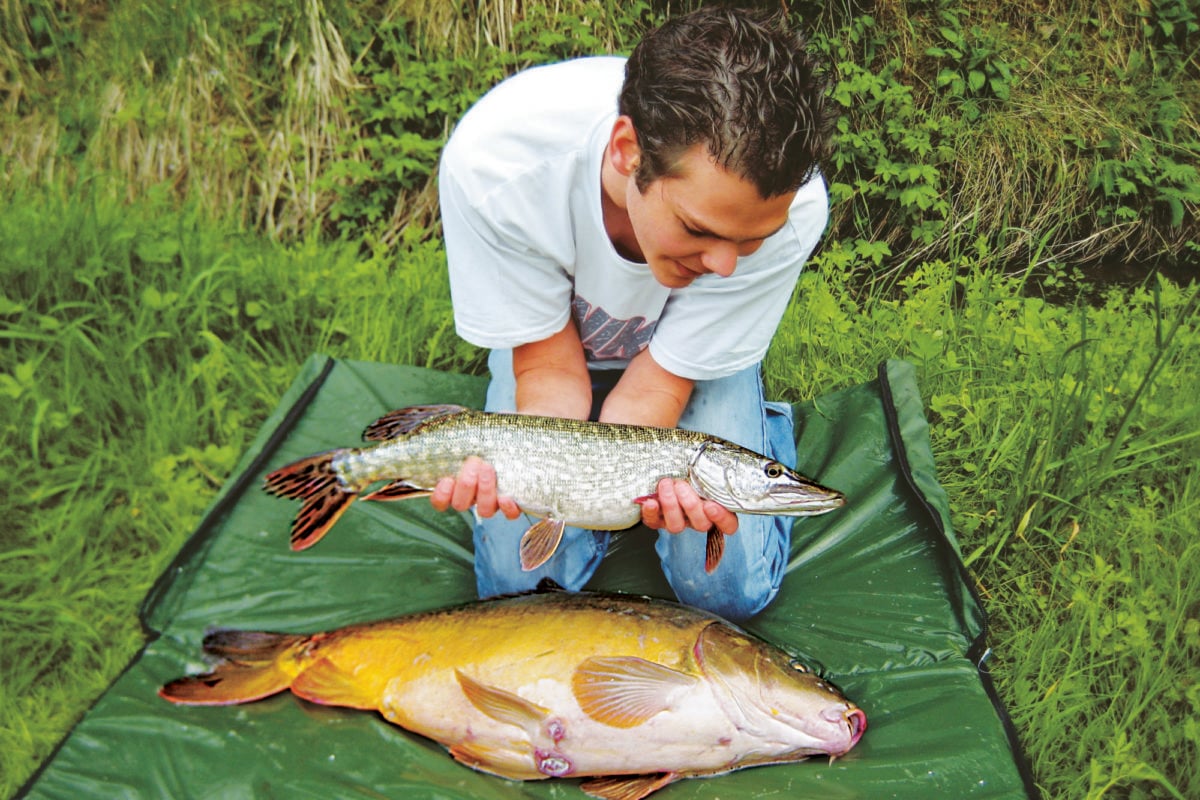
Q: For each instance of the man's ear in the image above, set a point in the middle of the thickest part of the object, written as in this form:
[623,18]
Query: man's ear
[623,150]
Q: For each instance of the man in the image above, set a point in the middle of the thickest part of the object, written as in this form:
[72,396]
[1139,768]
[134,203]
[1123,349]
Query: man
[625,238]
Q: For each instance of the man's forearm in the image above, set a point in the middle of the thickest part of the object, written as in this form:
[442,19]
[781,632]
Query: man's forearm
[647,395]
[552,376]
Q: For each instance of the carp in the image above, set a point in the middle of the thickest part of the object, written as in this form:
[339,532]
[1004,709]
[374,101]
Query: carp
[628,692]
[565,471]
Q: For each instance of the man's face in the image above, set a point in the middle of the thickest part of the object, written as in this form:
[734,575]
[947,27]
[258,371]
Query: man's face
[700,220]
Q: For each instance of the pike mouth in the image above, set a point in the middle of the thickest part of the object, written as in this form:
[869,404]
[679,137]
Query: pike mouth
[815,500]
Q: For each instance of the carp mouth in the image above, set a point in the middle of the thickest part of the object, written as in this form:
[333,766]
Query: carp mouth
[856,718]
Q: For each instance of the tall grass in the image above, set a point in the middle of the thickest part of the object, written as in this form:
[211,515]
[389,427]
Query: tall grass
[194,202]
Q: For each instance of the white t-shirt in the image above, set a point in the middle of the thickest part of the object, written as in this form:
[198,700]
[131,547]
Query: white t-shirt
[519,188]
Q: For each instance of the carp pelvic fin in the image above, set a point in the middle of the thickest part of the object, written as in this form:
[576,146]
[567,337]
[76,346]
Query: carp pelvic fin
[314,481]
[500,705]
[406,420]
[491,759]
[250,673]
[540,542]
[627,787]
[626,691]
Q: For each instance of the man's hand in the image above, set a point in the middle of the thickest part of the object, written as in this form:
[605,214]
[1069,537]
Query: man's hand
[475,485]
[677,506]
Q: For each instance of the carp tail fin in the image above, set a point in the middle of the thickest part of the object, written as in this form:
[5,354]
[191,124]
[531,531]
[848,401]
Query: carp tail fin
[314,481]
[250,672]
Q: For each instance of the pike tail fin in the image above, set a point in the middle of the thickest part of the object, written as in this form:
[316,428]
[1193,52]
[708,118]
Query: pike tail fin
[314,481]
[251,671]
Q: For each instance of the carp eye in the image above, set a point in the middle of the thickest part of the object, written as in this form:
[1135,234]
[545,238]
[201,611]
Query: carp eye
[797,665]
[773,471]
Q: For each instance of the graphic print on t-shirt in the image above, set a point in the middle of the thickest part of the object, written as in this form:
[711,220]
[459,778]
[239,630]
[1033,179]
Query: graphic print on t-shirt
[606,338]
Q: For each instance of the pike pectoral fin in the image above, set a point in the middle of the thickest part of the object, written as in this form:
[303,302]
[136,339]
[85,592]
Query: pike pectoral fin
[500,705]
[627,787]
[713,550]
[626,691]
[406,420]
[398,490]
[540,542]
[326,683]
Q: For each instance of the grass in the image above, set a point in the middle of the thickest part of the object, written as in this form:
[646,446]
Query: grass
[172,187]
[143,345]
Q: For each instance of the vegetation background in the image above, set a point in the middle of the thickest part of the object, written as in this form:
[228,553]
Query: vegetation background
[196,195]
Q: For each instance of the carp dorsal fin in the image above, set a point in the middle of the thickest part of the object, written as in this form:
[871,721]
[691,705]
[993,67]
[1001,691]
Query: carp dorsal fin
[500,705]
[627,787]
[540,542]
[626,691]
[406,420]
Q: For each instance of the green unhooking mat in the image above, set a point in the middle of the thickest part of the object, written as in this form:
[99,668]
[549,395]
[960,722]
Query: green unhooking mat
[875,598]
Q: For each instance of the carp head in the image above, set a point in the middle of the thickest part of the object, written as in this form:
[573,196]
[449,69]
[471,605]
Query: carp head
[791,712]
[742,480]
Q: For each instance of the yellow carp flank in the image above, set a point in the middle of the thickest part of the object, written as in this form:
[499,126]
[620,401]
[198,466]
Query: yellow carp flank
[569,472]
[630,692]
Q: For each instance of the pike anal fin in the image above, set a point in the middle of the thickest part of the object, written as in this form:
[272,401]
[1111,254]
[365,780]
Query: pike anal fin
[540,541]
[398,490]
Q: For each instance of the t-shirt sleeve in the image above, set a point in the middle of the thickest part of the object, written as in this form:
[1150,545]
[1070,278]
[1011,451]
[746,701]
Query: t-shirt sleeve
[720,325]
[507,288]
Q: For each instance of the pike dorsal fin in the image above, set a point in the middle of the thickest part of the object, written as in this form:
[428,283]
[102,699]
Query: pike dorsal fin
[540,542]
[406,420]
[500,705]
[626,691]
[627,787]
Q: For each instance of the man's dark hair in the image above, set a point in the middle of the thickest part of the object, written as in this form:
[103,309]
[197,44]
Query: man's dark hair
[736,80]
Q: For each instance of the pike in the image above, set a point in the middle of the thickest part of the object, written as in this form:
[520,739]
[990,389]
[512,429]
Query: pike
[567,472]
[629,692]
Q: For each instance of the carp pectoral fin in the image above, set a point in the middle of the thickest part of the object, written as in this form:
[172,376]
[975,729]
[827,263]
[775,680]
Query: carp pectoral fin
[227,685]
[713,550]
[500,705]
[540,542]
[327,684]
[406,420]
[627,787]
[398,490]
[626,691]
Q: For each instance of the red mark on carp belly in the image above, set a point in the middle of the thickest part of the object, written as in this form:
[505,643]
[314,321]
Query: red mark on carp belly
[556,765]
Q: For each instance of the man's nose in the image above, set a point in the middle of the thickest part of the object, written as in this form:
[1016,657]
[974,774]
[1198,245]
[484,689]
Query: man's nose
[721,258]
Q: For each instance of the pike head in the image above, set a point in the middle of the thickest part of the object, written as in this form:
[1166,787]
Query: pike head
[742,480]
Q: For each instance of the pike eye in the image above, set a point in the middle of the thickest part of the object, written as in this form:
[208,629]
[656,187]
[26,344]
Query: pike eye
[797,665]
[773,470]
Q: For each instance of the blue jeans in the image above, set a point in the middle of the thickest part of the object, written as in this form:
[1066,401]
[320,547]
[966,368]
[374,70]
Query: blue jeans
[751,570]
